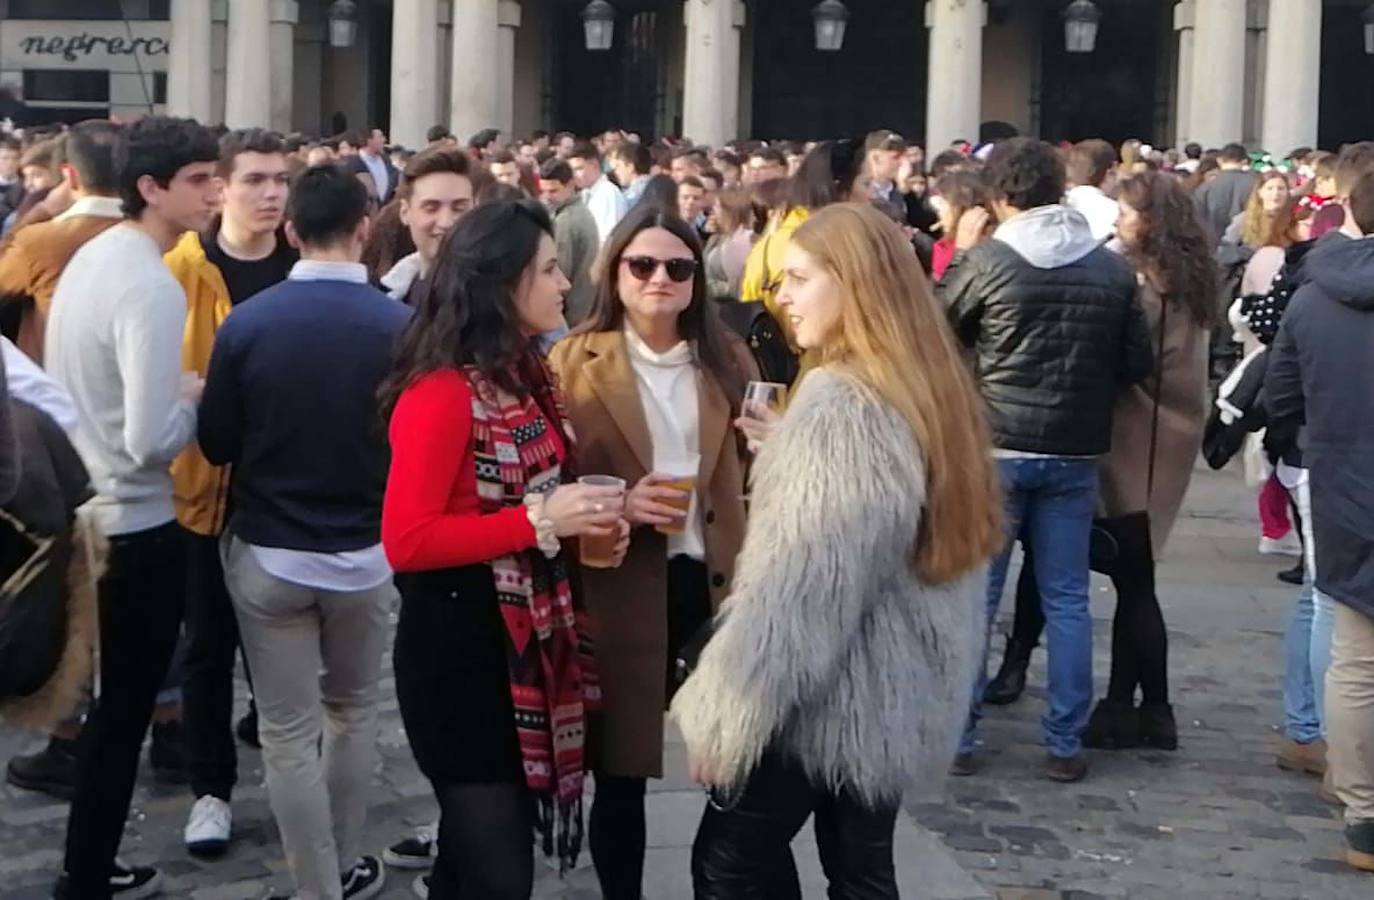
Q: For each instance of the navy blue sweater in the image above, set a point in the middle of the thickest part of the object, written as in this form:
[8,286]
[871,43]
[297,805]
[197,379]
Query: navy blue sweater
[291,403]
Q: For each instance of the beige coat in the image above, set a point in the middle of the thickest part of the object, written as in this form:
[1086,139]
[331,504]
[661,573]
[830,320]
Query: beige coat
[629,605]
[1182,416]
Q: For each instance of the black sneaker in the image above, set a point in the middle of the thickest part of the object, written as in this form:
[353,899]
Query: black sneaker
[415,852]
[51,770]
[247,728]
[365,879]
[1293,576]
[126,883]
[167,754]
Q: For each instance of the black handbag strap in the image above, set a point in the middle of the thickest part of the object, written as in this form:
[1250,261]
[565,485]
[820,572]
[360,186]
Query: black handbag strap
[1159,391]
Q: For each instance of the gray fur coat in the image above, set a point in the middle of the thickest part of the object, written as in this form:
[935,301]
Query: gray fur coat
[830,649]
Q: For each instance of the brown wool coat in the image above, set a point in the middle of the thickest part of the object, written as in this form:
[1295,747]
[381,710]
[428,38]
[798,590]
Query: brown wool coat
[33,260]
[1182,390]
[629,605]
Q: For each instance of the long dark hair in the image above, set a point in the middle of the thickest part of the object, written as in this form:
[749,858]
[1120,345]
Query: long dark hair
[699,323]
[660,191]
[466,314]
[1171,251]
[826,175]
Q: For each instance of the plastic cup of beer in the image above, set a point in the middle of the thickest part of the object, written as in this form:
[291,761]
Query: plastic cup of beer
[682,476]
[596,551]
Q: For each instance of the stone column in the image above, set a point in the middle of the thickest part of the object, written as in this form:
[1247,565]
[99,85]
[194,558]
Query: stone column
[472,104]
[1185,14]
[954,92]
[219,57]
[507,20]
[282,38]
[1217,114]
[414,70]
[188,68]
[444,42]
[1292,75]
[710,101]
[248,72]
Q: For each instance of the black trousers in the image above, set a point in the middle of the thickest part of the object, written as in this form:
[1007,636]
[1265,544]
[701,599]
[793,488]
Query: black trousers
[486,844]
[212,639]
[737,851]
[1140,642]
[140,600]
[617,831]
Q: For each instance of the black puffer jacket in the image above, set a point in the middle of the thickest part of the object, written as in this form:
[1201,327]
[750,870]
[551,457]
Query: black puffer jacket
[1056,330]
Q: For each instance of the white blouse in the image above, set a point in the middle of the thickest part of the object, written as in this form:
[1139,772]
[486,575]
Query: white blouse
[668,391]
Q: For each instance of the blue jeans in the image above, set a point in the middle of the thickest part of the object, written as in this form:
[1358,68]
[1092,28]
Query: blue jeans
[1307,644]
[1302,720]
[1050,504]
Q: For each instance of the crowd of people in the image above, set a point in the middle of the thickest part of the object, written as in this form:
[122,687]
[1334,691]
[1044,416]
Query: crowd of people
[740,437]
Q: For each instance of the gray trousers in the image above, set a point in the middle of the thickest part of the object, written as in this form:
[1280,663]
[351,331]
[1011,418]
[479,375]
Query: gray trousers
[316,658]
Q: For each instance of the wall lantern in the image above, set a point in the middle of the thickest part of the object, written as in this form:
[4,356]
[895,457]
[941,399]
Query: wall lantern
[343,23]
[831,17]
[1080,26]
[598,21]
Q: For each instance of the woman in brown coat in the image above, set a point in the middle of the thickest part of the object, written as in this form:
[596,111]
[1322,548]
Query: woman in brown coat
[653,384]
[1156,434]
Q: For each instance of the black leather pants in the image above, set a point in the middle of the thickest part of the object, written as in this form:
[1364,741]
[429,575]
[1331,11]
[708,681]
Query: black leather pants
[744,853]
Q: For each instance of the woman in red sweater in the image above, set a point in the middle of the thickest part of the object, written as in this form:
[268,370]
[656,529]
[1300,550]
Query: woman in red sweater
[491,674]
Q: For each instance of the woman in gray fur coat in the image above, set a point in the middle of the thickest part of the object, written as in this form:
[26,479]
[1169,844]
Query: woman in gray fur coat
[838,676]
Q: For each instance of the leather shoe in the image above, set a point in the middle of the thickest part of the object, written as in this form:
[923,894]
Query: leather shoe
[1065,769]
[964,765]
[1295,757]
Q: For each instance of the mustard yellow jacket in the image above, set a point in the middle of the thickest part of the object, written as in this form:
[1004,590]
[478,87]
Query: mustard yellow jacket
[763,276]
[201,491]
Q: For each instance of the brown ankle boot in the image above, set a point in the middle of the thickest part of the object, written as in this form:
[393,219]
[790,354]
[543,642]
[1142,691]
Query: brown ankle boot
[1309,758]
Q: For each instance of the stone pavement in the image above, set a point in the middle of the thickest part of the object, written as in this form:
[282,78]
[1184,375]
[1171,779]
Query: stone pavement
[1216,819]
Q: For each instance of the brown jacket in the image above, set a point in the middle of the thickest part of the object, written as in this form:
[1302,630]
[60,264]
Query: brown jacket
[1180,377]
[629,605]
[33,261]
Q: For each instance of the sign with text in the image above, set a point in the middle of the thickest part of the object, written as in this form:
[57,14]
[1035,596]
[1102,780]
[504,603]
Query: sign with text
[84,45]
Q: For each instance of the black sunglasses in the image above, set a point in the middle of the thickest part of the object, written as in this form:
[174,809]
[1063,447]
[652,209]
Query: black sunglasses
[644,267]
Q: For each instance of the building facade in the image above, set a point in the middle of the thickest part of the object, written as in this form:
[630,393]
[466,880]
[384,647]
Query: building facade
[1275,73]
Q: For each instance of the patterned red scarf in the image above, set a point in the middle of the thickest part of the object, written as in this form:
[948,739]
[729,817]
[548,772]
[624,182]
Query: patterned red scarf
[552,679]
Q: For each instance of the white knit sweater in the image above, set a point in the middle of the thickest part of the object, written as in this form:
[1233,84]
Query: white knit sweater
[668,391]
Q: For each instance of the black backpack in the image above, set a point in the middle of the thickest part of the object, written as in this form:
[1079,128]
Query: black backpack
[762,333]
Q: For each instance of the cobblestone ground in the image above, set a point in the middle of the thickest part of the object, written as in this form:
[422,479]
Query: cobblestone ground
[1216,819]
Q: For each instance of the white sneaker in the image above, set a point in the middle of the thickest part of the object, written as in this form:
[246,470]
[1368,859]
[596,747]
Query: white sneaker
[208,827]
[1288,545]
